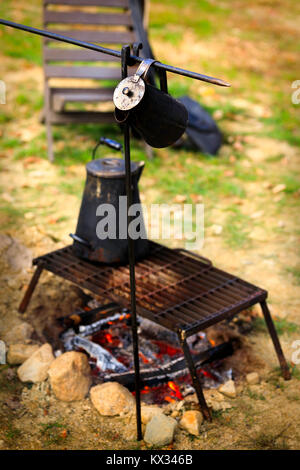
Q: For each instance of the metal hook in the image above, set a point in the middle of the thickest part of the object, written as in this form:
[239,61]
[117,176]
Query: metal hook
[143,69]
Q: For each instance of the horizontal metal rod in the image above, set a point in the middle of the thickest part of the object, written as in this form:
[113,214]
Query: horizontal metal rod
[134,59]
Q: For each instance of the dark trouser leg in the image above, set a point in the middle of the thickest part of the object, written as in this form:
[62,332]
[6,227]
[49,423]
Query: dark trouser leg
[195,379]
[27,296]
[283,364]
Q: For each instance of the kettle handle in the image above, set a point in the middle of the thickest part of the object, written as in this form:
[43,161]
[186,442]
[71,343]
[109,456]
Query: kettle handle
[143,69]
[113,144]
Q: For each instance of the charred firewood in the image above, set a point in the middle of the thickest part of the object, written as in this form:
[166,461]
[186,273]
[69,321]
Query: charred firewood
[83,317]
[105,360]
[177,367]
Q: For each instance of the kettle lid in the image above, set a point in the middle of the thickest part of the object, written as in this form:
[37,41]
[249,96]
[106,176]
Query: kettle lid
[111,167]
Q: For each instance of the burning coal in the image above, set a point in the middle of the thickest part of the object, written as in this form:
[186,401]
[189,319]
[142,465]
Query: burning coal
[164,373]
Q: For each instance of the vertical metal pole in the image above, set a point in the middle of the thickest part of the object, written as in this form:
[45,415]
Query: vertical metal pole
[131,255]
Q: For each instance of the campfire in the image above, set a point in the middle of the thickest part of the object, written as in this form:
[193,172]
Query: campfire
[103,332]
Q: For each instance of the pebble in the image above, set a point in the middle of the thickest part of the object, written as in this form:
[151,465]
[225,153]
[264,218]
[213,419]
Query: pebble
[191,422]
[147,412]
[19,333]
[279,188]
[112,399]
[216,401]
[35,368]
[252,378]
[228,389]
[20,352]
[160,430]
[70,376]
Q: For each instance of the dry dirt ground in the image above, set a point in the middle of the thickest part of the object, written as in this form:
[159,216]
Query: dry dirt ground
[260,242]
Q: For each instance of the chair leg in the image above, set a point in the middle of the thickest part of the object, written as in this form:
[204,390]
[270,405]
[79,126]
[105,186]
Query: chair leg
[282,361]
[30,289]
[49,140]
[47,110]
[195,379]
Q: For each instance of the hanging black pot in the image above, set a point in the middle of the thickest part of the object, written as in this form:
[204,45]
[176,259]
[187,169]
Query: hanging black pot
[105,184]
[159,118]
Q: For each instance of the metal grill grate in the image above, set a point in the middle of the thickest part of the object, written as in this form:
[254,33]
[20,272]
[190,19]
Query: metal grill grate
[174,288]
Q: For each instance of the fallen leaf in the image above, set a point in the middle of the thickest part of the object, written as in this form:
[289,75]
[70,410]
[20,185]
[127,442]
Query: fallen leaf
[279,188]
[238,146]
[180,198]
[238,201]
[196,198]
[218,114]
[257,215]
[29,215]
[29,160]
[52,220]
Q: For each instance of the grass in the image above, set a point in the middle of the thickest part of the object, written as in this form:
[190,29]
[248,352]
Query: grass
[296,274]
[12,433]
[236,229]
[53,433]
[176,171]
[10,215]
[282,326]
[19,45]
[255,396]
[268,441]
[295,371]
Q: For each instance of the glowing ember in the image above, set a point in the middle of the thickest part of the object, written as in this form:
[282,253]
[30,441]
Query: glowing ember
[156,351]
[175,389]
[109,338]
[170,399]
[143,357]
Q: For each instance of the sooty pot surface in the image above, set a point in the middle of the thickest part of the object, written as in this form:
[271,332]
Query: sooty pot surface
[101,233]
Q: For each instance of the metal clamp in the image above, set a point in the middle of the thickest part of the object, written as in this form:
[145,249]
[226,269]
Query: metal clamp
[143,70]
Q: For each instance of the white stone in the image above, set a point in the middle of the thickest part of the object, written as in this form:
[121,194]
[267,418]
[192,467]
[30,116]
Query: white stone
[19,333]
[112,399]
[160,430]
[228,389]
[252,378]
[147,412]
[70,376]
[215,400]
[20,352]
[35,368]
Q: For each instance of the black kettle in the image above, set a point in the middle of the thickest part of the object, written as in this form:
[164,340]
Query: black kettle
[101,233]
[155,115]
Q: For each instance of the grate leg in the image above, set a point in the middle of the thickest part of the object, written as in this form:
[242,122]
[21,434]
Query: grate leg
[195,379]
[30,289]
[282,361]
